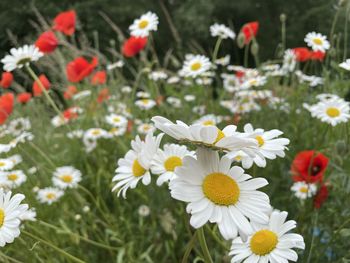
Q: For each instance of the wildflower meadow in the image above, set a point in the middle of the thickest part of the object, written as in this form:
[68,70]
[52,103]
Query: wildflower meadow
[129,154]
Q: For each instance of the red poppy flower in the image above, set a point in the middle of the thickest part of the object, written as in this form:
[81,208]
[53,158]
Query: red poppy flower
[309,166]
[302,54]
[65,22]
[249,31]
[103,95]
[37,91]
[80,68]
[71,113]
[47,42]
[133,46]
[318,55]
[321,196]
[6,106]
[99,78]
[24,97]
[6,80]
[69,92]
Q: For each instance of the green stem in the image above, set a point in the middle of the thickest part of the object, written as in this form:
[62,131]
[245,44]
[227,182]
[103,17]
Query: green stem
[204,246]
[312,239]
[44,155]
[246,53]
[216,49]
[46,94]
[2,255]
[59,250]
[87,240]
[189,248]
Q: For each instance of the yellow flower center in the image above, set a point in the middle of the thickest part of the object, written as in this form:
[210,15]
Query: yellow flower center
[67,178]
[238,158]
[50,196]
[143,24]
[137,169]
[145,101]
[12,177]
[172,162]
[209,123]
[253,82]
[221,189]
[2,217]
[219,136]
[260,140]
[196,66]
[333,112]
[116,119]
[318,41]
[114,129]
[304,189]
[96,132]
[2,164]
[263,242]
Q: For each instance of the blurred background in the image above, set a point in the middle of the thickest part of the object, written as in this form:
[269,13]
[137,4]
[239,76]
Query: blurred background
[190,19]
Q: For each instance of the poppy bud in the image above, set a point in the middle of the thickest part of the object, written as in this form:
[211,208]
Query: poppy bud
[240,40]
[341,147]
[254,49]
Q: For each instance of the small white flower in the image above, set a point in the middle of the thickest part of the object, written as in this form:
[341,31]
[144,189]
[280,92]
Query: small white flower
[116,120]
[304,190]
[66,177]
[221,31]
[20,57]
[145,104]
[49,195]
[144,25]
[195,65]
[144,210]
[345,65]
[317,41]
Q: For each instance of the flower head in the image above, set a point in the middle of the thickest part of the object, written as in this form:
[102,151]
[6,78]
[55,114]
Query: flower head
[65,22]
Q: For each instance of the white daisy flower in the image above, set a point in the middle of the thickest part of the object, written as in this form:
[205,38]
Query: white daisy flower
[317,41]
[12,179]
[118,131]
[269,243]
[16,159]
[19,125]
[173,80]
[58,121]
[189,97]
[143,95]
[96,133]
[269,146]
[135,165]
[145,104]
[116,120]
[6,164]
[66,177]
[332,111]
[345,65]
[175,102]
[209,136]
[167,160]
[221,31]
[118,64]
[304,190]
[289,61]
[219,193]
[28,215]
[145,128]
[256,81]
[157,75]
[126,89]
[224,61]
[49,195]
[209,120]
[75,134]
[144,25]
[11,210]
[20,57]
[195,65]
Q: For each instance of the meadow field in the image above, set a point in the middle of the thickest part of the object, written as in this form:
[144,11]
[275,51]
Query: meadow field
[128,154]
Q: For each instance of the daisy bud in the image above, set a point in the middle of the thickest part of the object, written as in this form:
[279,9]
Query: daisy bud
[254,49]
[240,40]
[77,217]
[86,209]
[283,18]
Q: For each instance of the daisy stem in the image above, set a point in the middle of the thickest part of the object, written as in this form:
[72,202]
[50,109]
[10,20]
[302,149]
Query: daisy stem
[46,94]
[216,49]
[189,248]
[204,246]
[87,240]
[66,254]
[10,259]
[312,239]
